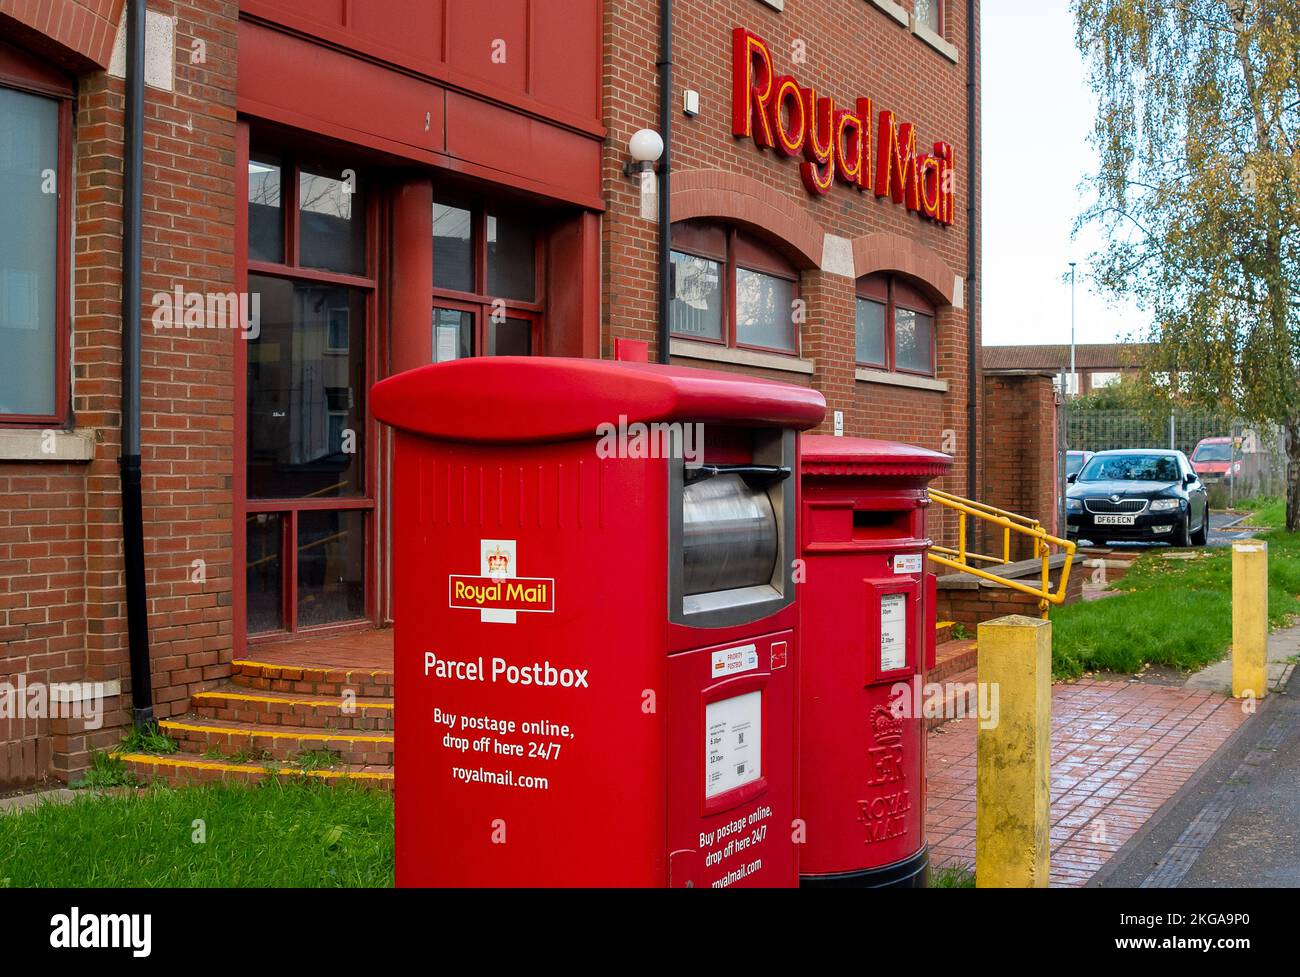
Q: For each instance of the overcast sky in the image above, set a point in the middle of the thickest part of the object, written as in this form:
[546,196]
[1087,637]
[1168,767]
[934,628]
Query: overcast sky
[1038,114]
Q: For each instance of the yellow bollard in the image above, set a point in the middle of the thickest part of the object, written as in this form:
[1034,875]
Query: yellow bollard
[1250,619]
[1013,765]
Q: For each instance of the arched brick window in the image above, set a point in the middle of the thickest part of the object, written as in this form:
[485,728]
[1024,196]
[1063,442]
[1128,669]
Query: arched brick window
[733,289]
[895,325]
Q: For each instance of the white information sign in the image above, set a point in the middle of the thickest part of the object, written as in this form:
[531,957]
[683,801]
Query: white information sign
[733,730]
[893,632]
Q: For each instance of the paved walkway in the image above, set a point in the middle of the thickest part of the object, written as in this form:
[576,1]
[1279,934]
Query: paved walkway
[1283,652]
[1120,750]
[1239,825]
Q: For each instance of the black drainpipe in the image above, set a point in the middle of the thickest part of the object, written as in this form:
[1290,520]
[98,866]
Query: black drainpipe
[665,65]
[137,610]
[972,268]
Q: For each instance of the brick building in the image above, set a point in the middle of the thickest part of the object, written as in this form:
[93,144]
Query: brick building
[1096,365]
[337,190]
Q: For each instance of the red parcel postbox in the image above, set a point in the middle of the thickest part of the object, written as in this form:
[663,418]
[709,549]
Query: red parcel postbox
[867,633]
[596,632]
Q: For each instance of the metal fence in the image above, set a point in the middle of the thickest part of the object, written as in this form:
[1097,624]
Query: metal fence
[1258,458]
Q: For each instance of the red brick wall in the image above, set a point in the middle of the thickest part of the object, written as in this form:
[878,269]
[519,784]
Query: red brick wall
[61,594]
[852,49]
[77,33]
[1019,467]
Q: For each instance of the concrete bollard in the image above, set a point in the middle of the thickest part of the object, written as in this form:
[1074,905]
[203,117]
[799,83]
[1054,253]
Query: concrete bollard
[1250,619]
[1013,758]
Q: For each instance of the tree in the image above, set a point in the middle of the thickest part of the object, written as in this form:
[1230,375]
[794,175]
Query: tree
[1197,127]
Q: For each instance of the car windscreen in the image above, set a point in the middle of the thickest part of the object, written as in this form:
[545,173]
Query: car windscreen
[1213,452]
[1131,468]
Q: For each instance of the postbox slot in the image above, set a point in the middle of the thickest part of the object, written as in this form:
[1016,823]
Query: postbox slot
[881,524]
[731,517]
[729,537]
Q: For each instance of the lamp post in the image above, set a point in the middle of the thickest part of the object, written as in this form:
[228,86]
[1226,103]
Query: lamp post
[1072,373]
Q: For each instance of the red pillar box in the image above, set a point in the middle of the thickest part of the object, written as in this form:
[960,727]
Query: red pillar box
[596,652]
[867,619]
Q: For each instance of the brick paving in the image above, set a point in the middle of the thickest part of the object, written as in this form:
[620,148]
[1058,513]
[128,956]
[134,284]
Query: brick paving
[1119,751]
[359,650]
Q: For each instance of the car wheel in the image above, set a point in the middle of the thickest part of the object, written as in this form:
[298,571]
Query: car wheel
[1183,534]
[1201,536]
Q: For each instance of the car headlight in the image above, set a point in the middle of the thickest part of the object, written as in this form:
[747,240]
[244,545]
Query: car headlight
[1073,505]
[1164,505]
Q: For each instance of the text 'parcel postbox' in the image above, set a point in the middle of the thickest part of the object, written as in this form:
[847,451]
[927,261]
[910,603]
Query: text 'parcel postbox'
[596,632]
[867,634]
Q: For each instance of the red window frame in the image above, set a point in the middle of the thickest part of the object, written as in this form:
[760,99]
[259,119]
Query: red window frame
[479,303]
[24,73]
[894,293]
[289,268]
[733,249]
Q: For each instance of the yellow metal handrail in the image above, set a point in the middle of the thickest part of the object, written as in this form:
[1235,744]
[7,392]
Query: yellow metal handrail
[1009,522]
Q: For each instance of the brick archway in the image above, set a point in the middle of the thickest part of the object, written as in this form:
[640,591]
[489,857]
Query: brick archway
[743,200]
[893,252]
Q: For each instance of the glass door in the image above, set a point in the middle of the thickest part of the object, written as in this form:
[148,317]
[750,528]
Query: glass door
[310,472]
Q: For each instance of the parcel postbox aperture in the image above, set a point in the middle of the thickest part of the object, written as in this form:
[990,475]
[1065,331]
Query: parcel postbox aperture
[867,634]
[596,651]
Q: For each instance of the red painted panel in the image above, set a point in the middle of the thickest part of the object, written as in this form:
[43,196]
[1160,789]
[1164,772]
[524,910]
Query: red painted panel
[306,82]
[412,28]
[488,39]
[566,54]
[323,11]
[495,137]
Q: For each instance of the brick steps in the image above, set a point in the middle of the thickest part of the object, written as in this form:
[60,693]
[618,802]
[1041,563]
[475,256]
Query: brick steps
[272,719]
[952,658]
[311,679]
[239,703]
[277,742]
[190,768]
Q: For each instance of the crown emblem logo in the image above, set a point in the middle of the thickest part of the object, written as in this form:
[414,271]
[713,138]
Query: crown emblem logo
[885,726]
[498,561]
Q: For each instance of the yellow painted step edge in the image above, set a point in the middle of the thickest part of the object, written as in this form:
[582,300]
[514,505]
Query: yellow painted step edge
[312,668]
[238,768]
[275,698]
[940,625]
[169,724]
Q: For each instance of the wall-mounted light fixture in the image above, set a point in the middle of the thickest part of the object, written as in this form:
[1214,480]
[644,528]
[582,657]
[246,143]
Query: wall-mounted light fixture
[645,147]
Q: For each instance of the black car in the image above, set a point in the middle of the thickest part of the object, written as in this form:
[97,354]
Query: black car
[1138,494]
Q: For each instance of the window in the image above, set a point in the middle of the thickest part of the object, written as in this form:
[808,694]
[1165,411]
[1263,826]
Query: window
[487,283]
[34,242]
[929,13]
[732,289]
[1099,380]
[894,326]
[308,490]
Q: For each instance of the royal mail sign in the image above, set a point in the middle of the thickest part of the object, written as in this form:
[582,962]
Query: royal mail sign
[836,143]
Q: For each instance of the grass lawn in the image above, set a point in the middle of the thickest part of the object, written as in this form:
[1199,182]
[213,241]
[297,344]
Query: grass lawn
[1173,612]
[273,834]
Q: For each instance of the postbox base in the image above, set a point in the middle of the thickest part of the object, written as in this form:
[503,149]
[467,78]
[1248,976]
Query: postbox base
[910,873]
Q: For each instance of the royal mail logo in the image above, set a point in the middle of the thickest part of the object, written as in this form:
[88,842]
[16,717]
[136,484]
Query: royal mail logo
[517,594]
[497,592]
